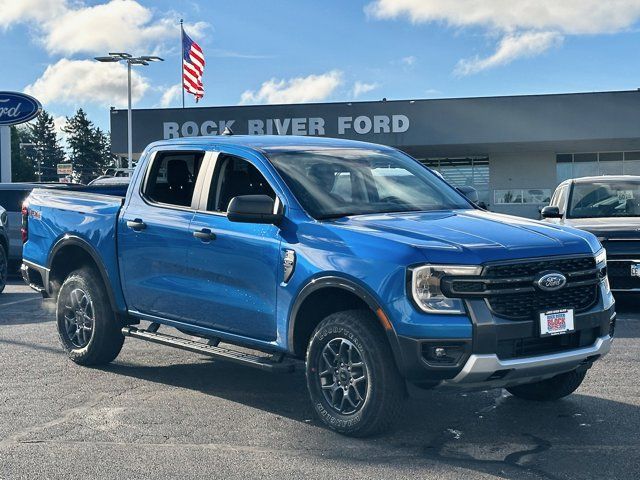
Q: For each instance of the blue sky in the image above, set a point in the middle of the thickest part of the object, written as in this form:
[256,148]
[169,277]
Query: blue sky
[290,51]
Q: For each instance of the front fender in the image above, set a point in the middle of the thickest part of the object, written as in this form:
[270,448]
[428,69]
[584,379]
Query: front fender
[351,285]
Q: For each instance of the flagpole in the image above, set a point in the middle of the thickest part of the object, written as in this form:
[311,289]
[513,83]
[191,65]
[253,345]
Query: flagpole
[182,57]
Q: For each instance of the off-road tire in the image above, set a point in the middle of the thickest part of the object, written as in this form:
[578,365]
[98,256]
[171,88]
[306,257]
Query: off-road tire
[106,338]
[552,389]
[385,388]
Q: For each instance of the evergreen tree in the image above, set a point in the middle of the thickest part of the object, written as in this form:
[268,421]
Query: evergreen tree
[22,158]
[46,149]
[87,146]
[104,138]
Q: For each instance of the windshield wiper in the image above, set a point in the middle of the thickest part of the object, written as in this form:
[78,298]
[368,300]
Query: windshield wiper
[373,212]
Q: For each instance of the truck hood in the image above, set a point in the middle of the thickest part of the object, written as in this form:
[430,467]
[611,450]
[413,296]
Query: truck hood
[474,236]
[609,227]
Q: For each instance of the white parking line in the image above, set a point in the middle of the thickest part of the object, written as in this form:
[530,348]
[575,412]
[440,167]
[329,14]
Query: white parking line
[20,301]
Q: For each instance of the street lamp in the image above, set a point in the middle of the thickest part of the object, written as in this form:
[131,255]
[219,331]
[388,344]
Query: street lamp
[130,60]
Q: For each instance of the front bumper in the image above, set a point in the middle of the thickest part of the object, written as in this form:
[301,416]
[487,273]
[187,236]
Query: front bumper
[488,371]
[503,352]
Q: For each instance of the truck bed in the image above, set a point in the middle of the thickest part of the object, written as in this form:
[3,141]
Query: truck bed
[74,212]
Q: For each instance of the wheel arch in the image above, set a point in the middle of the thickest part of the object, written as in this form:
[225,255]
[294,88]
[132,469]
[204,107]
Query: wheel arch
[70,253]
[311,306]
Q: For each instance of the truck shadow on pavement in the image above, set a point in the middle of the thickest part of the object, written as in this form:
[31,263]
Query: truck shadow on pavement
[490,432]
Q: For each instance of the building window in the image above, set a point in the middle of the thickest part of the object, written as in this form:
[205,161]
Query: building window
[522,196]
[585,164]
[466,171]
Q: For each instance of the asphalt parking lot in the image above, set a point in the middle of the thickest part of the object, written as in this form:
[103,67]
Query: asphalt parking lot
[158,412]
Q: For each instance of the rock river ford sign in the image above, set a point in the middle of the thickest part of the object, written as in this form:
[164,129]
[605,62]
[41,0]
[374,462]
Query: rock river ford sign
[17,108]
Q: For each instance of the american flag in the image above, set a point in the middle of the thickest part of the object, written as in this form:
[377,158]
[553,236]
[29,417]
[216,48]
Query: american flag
[192,67]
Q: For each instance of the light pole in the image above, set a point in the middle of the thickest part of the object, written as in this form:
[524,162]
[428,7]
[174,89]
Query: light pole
[130,60]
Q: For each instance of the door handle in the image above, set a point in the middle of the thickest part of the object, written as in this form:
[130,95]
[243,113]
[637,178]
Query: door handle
[136,224]
[205,235]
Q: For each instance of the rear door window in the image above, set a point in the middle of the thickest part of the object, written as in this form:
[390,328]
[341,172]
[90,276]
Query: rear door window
[172,177]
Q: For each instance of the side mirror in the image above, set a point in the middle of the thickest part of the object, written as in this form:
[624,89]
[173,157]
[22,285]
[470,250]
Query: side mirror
[254,209]
[550,212]
[469,192]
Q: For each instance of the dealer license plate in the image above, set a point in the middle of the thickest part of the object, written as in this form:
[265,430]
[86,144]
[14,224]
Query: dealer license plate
[635,269]
[556,322]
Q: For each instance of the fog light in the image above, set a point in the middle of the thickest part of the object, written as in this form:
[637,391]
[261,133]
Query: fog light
[440,352]
[443,354]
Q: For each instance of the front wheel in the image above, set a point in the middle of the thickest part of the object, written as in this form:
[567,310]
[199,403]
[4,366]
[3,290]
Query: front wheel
[352,378]
[87,325]
[553,388]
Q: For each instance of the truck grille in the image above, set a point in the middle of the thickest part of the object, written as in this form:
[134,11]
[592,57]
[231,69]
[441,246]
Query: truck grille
[509,288]
[532,346]
[527,305]
[525,269]
[620,275]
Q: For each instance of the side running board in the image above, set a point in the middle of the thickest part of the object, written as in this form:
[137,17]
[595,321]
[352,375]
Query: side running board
[276,363]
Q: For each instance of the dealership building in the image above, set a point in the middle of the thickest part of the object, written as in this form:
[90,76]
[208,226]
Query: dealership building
[514,150]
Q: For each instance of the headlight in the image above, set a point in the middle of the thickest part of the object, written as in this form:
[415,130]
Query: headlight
[601,257]
[425,287]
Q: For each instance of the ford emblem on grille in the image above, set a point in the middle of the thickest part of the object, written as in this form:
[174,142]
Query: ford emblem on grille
[551,281]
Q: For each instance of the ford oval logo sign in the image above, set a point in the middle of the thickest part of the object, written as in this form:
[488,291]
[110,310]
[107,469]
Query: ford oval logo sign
[17,108]
[551,281]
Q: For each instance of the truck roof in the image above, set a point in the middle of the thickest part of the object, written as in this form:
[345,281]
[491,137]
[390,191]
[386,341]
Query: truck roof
[606,178]
[271,142]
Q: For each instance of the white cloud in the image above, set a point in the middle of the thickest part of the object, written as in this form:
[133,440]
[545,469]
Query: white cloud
[17,11]
[528,44]
[75,82]
[360,88]
[73,27]
[312,88]
[408,61]
[59,121]
[526,27]
[566,16]
[170,95]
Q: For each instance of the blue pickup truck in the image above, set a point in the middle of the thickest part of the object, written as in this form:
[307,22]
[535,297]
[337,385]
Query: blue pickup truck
[351,256]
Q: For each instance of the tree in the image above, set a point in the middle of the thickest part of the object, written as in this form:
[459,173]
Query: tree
[87,147]
[46,150]
[104,138]
[22,159]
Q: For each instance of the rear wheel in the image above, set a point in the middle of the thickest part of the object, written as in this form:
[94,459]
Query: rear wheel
[87,325]
[4,267]
[551,389]
[352,378]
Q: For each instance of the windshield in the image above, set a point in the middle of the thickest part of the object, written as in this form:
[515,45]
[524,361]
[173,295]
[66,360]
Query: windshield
[334,183]
[605,199]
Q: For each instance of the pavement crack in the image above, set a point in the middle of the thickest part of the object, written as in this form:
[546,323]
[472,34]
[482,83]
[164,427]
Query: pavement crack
[70,415]
[437,451]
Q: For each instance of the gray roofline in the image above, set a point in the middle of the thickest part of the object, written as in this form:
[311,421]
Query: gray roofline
[409,100]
